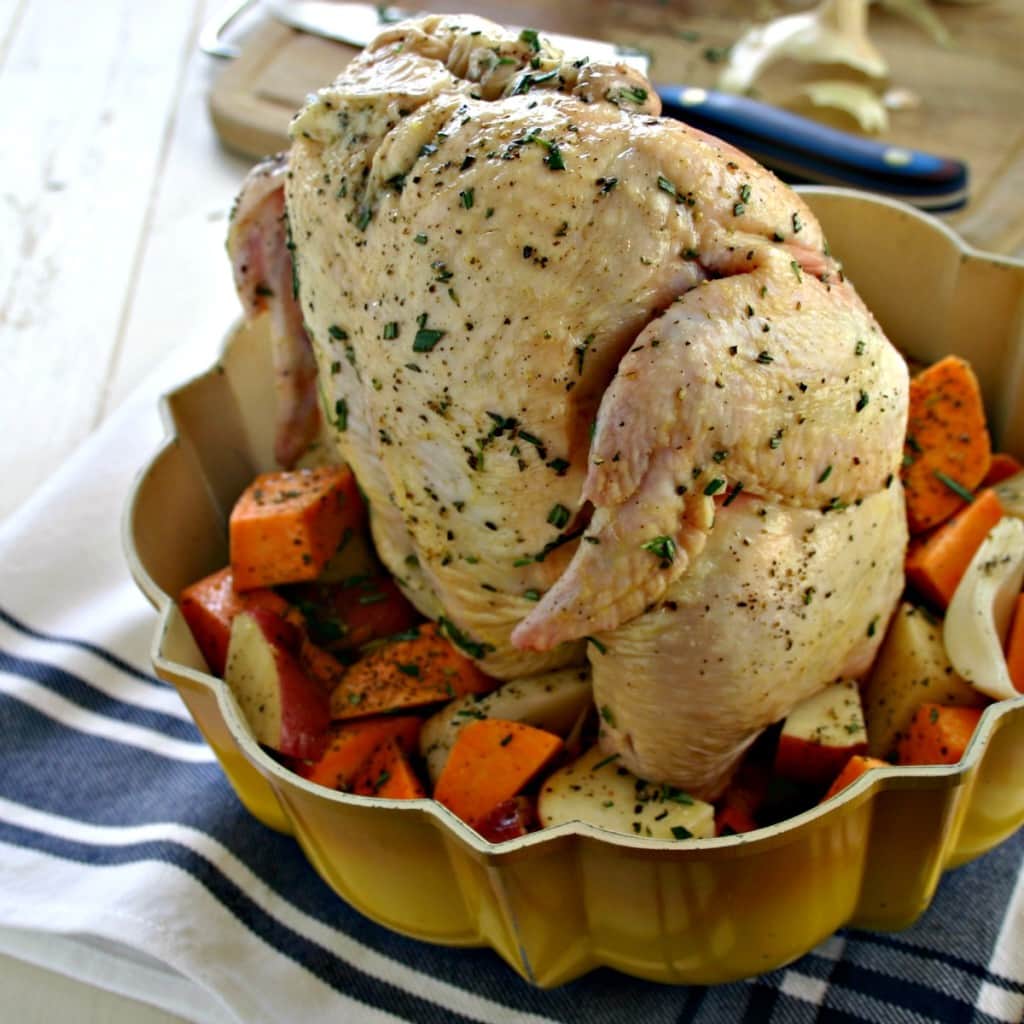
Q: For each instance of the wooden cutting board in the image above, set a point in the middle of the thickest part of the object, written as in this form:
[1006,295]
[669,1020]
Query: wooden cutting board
[971,94]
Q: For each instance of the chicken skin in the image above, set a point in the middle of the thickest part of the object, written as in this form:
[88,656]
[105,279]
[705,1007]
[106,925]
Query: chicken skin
[578,358]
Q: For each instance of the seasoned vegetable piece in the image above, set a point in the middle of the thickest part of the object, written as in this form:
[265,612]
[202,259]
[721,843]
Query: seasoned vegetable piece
[1002,467]
[853,770]
[355,556]
[821,734]
[938,735]
[553,701]
[341,616]
[979,614]
[424,669]
[388,773]
[596,789]
[209,607]
[737,809]
[936,563]
[947,450]
[351,744]
[285,709]
[490,763]
[286,525]
[1015,646]
[509,820]
[1011,495]
[321,666]
[912,667]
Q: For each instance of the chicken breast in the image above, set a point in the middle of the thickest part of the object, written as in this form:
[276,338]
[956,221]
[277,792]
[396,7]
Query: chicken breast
[557,336]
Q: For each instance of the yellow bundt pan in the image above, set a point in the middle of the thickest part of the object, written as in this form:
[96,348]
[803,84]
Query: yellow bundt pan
[563,901]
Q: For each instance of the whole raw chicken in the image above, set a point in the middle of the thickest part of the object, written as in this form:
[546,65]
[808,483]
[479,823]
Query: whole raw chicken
[607,392]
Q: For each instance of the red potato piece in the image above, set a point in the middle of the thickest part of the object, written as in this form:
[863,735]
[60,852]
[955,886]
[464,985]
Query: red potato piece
[351,744]
[347,615]
[424,669]
[509,820]
[938,735]
[731,821]
[1002,467]
[285,709]
[286,526]
[388,772]
[491,761]
[210,605]
[853,770]
[821,734]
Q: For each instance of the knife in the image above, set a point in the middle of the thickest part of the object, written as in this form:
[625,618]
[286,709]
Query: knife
[799,149]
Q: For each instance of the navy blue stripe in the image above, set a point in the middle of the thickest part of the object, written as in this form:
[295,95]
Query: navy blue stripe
[84,645]
[331,969]
[831,1015]
[911,995]
[970,967]
[82,693]
[763,998]
[692,1003]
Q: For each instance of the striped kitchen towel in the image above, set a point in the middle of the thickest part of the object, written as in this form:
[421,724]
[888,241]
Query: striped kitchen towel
[120,838]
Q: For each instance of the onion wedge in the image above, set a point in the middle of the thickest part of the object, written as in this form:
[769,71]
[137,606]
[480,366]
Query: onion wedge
[979,613]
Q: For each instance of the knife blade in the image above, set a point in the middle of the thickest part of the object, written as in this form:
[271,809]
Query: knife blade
[798,149]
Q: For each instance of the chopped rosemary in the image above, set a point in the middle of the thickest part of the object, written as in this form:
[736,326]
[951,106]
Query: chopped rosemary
[531,38]
[581,352]
[631,95]
[661,547]
[474,648]
[953,485]
[558,516]
[554,158]
[733,494]
[426,338]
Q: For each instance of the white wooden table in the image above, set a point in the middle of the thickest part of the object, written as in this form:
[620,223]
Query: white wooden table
[115,193]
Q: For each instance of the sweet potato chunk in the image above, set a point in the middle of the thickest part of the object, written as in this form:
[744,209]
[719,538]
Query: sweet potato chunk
[286,525]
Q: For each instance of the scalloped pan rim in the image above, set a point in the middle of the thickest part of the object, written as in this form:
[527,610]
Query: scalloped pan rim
[866,787]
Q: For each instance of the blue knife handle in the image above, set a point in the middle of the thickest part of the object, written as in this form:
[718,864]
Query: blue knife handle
[802,150]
